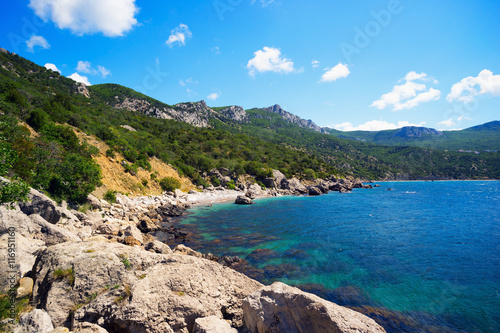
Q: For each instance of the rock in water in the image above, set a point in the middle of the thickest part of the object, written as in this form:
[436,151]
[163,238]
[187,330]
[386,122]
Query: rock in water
[281,308]
[243,200]
[315,191]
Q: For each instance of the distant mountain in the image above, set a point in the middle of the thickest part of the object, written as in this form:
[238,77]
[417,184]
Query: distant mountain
[477,138]
[196,138]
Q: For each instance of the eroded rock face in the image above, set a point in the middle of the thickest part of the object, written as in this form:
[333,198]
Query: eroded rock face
[293,185]
[281,308]
[36,321]
[128,289]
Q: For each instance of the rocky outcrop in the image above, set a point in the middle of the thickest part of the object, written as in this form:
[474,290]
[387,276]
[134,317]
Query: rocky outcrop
[314,190]
[236,113]
[281,308]
[293,185]
[36,321]
[243,200]
[293,119]
[128,289]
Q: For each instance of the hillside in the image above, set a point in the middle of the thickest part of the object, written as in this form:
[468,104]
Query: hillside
[485,137]
[191,137]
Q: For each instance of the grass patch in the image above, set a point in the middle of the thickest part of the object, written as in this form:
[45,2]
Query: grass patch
[89,251]
[84,208]
[69,274]
[21,305]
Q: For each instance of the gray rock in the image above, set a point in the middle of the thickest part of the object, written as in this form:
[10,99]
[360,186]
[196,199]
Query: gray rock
[293,185]
[187,251]
[179,194]
[41,204]
[243,200]
[51,234]
[158,247]
[314,190]
[89,328]
[94,202]
[22,263]
[281,308]
[60,330]
[36,321]
[155,292]
[269,182]
[212,324]
[278,178]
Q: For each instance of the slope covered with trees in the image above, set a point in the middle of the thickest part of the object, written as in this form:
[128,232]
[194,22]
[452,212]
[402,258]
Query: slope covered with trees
[52,159]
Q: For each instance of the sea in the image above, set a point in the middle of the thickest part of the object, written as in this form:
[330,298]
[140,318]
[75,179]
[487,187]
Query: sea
[415,256]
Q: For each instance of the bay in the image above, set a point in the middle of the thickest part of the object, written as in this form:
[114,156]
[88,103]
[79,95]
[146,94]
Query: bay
[415,256]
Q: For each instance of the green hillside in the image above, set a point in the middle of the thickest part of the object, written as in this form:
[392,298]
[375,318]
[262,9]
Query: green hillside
[484,137]
[246,142]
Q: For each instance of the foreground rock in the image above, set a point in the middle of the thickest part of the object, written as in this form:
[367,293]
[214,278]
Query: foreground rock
[127,289]
[36,321]
[281,308]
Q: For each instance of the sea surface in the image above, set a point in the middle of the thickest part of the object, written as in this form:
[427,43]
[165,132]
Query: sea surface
[421,257]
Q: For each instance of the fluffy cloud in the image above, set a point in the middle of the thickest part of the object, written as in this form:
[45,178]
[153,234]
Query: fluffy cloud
[374,125]
[338,72]
[109,17]
[79,78]
[213,96]
[37,41]
[447,123]
[269,60]
[409,94]
[86,68]
[179,35]
[315,63]
[466,89]
[52,67]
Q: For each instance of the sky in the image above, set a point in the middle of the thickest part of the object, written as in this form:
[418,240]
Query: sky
[349,65]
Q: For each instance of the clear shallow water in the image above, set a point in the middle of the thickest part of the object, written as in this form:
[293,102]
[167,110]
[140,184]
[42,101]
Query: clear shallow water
[423,257]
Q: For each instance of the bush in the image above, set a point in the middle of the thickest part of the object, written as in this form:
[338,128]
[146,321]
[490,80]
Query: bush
[231,185]
[110,196]
[110,153]
[170,184]
[215,181]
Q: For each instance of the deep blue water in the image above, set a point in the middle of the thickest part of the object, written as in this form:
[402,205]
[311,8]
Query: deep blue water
[422,257]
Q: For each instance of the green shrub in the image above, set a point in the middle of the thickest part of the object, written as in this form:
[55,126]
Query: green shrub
[110,153]
[215,181]
[110,196]
[144,182]
[231,185]
[170,184]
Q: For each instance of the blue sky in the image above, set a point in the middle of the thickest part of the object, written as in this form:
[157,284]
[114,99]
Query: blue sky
[346,64]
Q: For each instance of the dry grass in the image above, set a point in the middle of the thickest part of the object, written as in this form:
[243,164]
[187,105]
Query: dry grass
[114,178]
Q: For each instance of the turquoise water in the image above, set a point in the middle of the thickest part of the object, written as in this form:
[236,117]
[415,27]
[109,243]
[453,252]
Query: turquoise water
[422,257]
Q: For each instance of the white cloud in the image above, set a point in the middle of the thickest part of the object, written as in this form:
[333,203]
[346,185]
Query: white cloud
[179,35]
[79,78]
[269,60]
[37,41]
[447,123]
[109,17]
[338,72]
[213,96]
[409,94]
[374,125]
[466,90]
[83,67]
[315,63]
[52,67]
[86,68]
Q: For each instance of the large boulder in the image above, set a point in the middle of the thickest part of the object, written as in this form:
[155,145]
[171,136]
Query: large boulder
[294,185]
[127,289]
[41,204]
[243,200]
[36,321]
[23,261]
[278,178]
[314,190]
[281,308]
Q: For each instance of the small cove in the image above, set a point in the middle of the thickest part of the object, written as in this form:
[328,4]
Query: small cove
[423,257]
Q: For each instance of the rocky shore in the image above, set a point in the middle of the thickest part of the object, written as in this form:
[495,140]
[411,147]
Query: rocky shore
[109,270]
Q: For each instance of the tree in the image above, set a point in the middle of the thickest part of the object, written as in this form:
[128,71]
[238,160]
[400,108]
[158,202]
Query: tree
[10,191]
